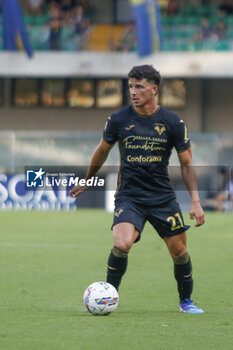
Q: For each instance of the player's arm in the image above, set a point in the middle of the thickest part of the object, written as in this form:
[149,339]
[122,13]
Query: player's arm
[98,158]
[190,180]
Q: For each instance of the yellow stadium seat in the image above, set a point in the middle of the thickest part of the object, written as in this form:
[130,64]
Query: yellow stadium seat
[117,33]
[100,38]
[105,37]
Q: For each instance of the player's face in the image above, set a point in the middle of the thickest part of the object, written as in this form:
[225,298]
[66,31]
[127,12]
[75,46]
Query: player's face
[142,92]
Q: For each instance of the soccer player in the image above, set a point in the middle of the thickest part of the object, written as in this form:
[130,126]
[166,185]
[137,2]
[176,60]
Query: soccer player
[146,133]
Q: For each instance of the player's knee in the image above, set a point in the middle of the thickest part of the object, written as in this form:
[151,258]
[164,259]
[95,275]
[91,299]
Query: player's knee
[124,243]
[178,250]
[119,252]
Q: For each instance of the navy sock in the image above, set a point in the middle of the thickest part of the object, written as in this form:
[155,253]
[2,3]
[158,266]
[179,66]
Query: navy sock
[116,269]
[183,275]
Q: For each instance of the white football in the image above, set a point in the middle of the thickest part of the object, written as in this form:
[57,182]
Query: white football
[101,298]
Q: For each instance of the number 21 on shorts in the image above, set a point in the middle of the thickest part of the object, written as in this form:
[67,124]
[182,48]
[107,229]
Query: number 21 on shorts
[173,220]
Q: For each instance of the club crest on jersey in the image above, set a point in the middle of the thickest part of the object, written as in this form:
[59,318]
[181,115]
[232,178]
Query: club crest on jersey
[160,128]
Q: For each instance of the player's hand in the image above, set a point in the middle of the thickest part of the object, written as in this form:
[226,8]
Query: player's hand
[197,212]
[77,190]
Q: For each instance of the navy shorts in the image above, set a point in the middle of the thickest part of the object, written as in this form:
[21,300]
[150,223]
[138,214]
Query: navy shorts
[167,220]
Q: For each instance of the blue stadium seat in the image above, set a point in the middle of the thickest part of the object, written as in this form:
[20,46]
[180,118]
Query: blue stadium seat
[189,10]
[194,20]
[180,20]
[229,34]
[213,20]
[38,36]
[182,46]
[186,33]
[224,45]
[168,45]
[212,9]
[28,19]
[210,45]
[228,20]
[196,46]
[41,19]
[68,37]
[167,20]
[202,10]
[168,33]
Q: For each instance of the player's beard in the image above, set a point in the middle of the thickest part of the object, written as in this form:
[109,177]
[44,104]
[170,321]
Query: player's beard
[143,103]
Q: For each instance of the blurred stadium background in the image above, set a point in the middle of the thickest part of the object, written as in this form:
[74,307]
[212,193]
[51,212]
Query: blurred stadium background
[54,104]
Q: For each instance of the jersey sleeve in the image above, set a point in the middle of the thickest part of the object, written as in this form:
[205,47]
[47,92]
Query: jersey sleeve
[110,133]
[181,139]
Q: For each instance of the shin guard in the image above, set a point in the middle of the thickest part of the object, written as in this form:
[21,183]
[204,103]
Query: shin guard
[183,275]
[117,265]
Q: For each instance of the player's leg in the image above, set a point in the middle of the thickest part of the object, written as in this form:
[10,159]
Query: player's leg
[128,223]
[168,222]
[124,235]
[182,264]
[183,271]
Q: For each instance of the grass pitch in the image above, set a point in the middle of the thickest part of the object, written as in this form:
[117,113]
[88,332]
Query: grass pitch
[47,259]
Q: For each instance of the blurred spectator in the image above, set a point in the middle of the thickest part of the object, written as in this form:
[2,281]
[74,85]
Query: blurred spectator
[173,7]
[226,7]
[52,4]
[128,41]
[220,30]
[214,201]
[67,8]
[55,24]
[56,2]
[205,31]
[230,186]
[82,28]
[211,36]
[88,7]
[85,4]
[33,7]
[227,195]
[222,199]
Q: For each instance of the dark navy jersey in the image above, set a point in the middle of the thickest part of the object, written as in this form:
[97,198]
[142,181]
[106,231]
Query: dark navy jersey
[145,145]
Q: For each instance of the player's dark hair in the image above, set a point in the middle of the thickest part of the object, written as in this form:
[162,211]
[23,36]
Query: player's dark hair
[145,71]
